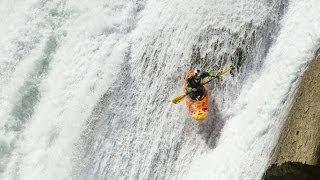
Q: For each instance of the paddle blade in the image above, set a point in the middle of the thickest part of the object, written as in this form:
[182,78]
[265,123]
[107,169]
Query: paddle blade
[225,72]
[178,99]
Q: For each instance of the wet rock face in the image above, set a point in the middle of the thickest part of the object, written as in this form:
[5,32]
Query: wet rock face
[300,137]
[297,154]
[293,171]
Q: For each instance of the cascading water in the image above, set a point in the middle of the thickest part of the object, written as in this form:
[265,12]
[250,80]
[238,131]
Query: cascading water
[86,86]
[255,119]
[138,132]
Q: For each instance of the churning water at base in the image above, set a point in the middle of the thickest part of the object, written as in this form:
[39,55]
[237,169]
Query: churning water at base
[86,86]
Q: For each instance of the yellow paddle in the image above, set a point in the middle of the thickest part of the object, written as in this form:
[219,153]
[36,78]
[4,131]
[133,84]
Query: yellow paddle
[222,73]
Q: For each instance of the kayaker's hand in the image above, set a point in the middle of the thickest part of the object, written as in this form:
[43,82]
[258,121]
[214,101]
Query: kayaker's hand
[189,89]
[210,72]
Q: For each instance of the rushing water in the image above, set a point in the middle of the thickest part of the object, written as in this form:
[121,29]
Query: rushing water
[85,86]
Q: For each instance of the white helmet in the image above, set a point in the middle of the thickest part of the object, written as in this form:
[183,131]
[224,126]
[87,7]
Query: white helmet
[197,72]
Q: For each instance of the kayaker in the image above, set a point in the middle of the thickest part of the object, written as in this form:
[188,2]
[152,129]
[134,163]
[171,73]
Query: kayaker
[195,89]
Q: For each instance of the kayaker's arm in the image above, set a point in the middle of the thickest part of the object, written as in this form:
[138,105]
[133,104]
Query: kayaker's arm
[190,80]
[208,73]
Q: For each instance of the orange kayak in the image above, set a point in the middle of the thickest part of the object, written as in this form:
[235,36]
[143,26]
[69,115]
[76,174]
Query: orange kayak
[197,109]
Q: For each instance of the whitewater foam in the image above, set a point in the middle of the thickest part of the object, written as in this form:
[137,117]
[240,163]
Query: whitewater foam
[67,86]
[248,137]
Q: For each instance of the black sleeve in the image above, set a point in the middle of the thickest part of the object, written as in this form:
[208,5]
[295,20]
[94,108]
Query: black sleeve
[204,75]
[191,82]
